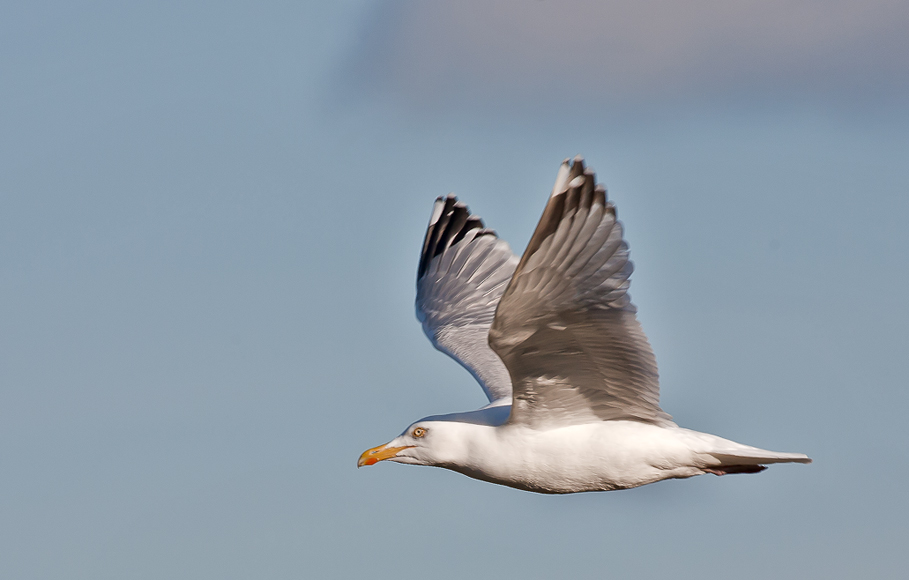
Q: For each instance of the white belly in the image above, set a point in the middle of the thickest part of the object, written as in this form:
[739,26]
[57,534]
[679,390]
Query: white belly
[593,457]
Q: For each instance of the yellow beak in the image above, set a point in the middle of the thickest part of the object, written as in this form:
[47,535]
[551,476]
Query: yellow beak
[380,453]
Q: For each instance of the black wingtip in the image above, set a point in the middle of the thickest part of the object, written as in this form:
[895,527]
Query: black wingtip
[448,225]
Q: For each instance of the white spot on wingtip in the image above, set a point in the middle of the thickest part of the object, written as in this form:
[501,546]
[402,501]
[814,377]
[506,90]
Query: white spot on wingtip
[561,179]
[436,211]
[576,182]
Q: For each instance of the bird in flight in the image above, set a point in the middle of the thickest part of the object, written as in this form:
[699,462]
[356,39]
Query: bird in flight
[554,341]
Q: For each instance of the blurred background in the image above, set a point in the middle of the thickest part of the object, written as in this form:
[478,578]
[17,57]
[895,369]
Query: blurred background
[210,219]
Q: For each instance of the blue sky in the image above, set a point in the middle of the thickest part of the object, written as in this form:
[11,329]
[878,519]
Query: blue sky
[210,217]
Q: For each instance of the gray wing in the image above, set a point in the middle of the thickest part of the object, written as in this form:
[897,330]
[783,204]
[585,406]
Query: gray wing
[565,327]
[464,269]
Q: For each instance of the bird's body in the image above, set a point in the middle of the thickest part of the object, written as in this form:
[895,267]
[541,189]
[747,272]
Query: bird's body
[555,343]
[599,456]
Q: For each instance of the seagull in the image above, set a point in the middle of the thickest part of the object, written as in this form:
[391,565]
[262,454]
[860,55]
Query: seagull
[554,341]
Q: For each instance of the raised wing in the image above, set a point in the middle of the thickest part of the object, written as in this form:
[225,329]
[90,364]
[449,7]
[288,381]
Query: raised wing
[566,328]
[464,269]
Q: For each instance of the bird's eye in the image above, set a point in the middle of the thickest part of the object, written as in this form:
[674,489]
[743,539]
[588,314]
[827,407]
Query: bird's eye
[419,432]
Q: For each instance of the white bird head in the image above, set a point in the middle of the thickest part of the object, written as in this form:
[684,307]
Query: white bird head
[425,442]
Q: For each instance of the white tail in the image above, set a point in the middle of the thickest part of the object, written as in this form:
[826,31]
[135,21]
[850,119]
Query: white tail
[748,460]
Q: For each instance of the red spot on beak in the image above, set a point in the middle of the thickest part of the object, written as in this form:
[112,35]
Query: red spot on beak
[380,453]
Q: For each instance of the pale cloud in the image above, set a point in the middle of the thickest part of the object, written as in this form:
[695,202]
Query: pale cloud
[646,50]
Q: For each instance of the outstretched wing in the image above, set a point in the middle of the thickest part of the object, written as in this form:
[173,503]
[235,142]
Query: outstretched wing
[464,269]
[566,328]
